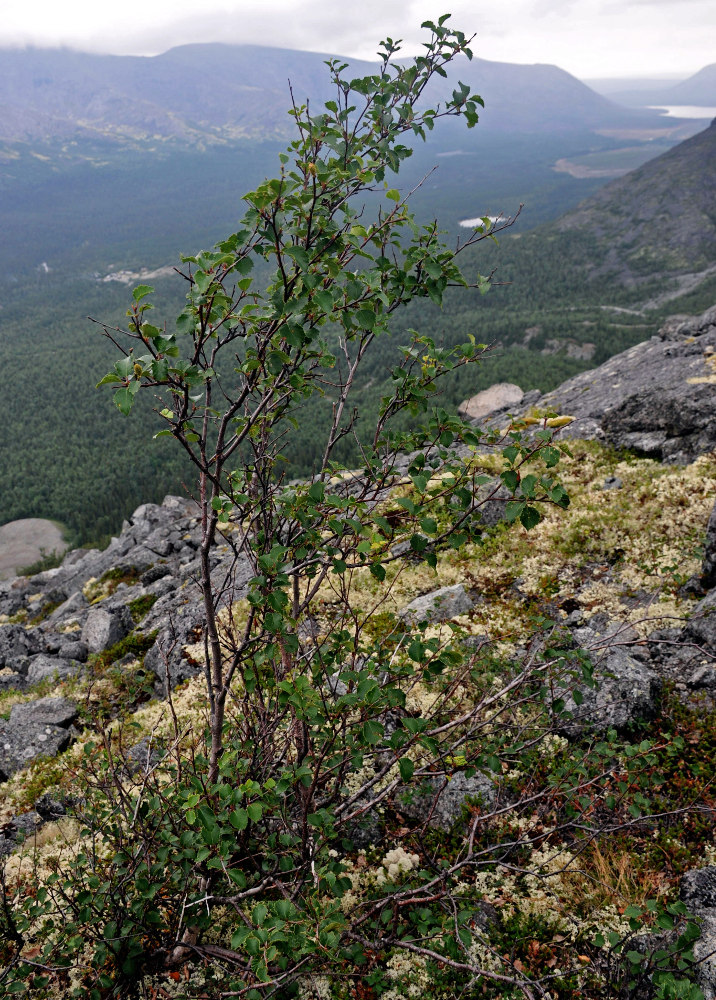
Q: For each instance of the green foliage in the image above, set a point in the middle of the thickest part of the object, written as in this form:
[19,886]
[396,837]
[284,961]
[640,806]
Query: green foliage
[326,713]
[47,560]
[140,607]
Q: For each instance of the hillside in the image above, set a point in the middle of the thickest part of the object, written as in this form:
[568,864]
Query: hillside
[201,94]
[699,89]
[491,775]
[657,220]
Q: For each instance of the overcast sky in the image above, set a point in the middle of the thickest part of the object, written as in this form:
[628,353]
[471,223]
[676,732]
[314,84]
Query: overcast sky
[589,38]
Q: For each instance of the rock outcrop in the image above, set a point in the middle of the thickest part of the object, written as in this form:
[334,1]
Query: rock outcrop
[142,591]
[657,399]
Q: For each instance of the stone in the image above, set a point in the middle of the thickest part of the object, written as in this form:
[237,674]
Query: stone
[49,808]
[698,891]
[105,627]
[17,829]
[22,742]
[627,692]
[701,629]
[45,711]
[438,606]
[44,667]
[17,645]
[697,888]
[71,649]
[612,483]
[143,756]
[440,800]
[703,677]
[497,397]
[708,566]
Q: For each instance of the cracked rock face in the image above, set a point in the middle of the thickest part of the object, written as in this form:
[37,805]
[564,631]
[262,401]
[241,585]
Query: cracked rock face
[35,729]
[627,690]
[658,398]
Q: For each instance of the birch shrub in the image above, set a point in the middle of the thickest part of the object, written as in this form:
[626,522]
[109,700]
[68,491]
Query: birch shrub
[277,853]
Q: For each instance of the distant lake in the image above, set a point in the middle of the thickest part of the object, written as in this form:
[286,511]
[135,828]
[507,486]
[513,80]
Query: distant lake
[684,111]
[471,223]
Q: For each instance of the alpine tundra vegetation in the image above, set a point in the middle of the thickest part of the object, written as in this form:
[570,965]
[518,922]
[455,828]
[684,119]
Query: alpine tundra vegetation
[441,724]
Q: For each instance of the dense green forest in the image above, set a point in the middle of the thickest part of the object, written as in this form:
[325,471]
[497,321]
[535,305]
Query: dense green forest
[71,456]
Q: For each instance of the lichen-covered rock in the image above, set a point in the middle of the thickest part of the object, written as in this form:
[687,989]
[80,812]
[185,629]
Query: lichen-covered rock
[34,729]
[698,888]
[440,800]
[438,606]
[702,626]
[105,626]
[627,692]
[45,711]
[44,667]
[698,891]
[20,744]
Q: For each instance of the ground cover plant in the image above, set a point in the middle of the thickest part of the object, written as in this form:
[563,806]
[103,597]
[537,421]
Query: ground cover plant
[284,831]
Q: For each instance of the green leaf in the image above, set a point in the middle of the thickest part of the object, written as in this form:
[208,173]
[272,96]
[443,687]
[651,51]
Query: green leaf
[392,194]
[141,291]
[239,819]
[372,731]
[366,318]
[255,810]
[513,509]
[324,300]
[299,255]
[407,768]
[530,517]
[123,400]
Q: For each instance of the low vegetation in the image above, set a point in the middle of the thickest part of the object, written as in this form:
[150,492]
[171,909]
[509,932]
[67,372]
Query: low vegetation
[353,799]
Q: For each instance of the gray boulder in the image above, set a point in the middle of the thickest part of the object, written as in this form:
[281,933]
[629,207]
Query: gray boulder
[497,397]
[627,690]
[697,888]
[17,645]
[708,567]
[44,667]
[45,712]
[25,736]
[698,891]
[17,829]
[438,606]
[702,626]
[440,800]
[35,729]
[105,626]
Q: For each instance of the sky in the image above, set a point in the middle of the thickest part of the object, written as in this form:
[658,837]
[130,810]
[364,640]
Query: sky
[588,38]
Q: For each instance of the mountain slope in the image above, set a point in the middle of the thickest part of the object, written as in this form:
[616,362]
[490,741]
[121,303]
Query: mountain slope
[659,218]
[214,91]
[699,89]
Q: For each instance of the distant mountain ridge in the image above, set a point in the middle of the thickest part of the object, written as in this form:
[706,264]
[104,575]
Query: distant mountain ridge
[699,90]
[215,92]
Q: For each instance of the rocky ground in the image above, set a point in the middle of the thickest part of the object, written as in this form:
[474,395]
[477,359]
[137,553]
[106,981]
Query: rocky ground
[628,574]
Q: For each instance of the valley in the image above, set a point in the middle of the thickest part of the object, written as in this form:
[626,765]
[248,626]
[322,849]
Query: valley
[94,203]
